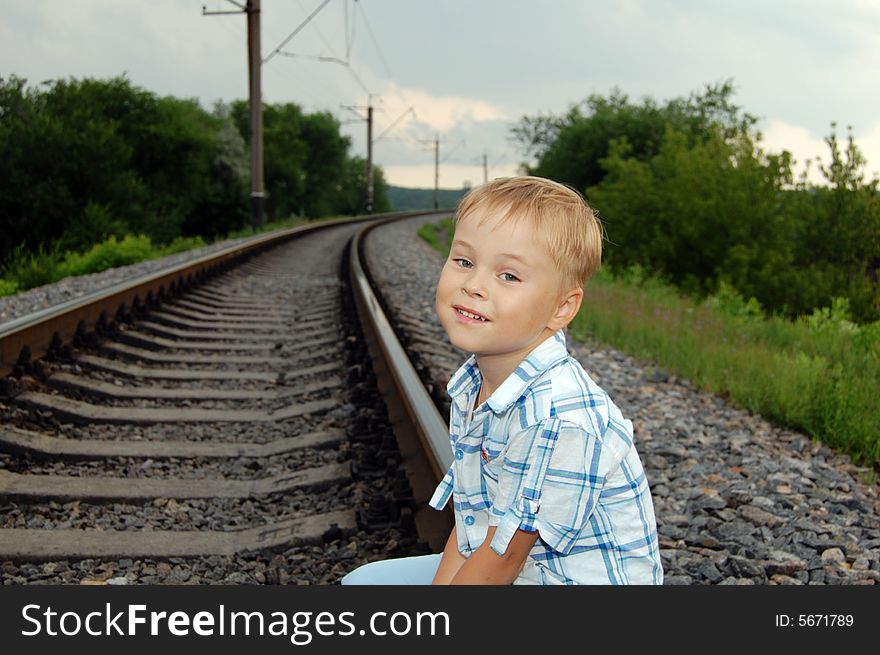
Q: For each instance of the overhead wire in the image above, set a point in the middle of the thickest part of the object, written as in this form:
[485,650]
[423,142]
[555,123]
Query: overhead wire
[374,40]
[453,149]
[350,33]
[334,60]
[296,31]
[317,29]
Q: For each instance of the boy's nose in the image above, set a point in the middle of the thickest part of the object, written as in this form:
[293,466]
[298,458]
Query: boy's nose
[474,288]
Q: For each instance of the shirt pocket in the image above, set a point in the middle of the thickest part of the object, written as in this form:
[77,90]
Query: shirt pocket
[490,458]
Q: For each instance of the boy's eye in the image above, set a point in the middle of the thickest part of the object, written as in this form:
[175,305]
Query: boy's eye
[464,263]
[509,277]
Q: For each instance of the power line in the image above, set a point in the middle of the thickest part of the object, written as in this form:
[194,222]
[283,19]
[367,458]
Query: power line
[379,51]
[296,31]
[219,12]
[311,83]
[395,122]
[317,29]
[349,30]
[405,138]
[374,40]
[335,60]
[349,27]
[453,149]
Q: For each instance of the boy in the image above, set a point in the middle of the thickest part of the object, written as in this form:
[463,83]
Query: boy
[546,483]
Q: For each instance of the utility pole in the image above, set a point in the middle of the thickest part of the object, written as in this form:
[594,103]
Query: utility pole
[255,65]
[485,169]
[255,60]
[370,142]
[369,120]
[370,158]
[437,171]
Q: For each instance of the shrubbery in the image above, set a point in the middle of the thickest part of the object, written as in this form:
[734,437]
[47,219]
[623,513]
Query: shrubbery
[819,373]
[26,270]
[438,235]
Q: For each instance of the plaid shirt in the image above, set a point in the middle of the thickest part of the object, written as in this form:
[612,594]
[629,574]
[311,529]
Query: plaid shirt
[549,451]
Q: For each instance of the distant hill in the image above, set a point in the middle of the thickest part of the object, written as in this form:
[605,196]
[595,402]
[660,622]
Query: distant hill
[404,199]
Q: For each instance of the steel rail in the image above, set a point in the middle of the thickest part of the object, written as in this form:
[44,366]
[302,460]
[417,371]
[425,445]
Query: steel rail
[422,433]
[32,336]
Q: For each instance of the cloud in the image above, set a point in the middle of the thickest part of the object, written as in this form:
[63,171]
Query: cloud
[442,112]
[453,176]
[804,145]
[800,142]
[869,144]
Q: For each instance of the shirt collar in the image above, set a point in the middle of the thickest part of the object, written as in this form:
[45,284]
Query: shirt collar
[546,355]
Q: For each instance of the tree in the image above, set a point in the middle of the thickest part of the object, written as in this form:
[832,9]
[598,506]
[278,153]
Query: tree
[86,159]
[305,157]
[308,169]
[569,148]
[327,153]
[699,214]
[352,189]
[838,241]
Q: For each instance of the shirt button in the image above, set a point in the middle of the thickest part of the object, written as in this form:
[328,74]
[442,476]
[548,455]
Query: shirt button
[468,520]
[459,454]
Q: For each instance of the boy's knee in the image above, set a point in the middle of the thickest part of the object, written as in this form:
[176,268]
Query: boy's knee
[417,570]
[362,575]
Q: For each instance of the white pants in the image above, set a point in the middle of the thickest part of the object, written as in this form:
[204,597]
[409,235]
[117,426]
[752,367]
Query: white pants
[418,570]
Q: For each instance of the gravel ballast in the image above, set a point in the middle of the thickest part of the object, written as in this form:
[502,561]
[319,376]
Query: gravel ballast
[49,295]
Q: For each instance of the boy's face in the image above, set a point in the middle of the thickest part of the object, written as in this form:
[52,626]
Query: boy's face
[503,272]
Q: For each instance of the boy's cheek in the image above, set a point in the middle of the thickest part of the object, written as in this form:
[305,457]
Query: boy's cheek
[438,309]
[442,297]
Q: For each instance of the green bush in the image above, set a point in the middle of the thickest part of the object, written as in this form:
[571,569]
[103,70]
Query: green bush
[730,302]
[95,224]
[180,244]
[438,235]
[31,269]
[25,270]
[8,287]
[835,318]
[109,254]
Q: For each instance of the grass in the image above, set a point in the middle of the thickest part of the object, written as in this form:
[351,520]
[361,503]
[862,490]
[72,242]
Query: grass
[439,234]
[819,374]
[26,270]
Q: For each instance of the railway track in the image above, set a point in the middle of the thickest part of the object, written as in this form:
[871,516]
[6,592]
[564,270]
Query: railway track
[229,408]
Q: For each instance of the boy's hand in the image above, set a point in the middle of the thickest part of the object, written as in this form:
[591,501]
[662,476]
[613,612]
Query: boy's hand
[485,566]
[451,561]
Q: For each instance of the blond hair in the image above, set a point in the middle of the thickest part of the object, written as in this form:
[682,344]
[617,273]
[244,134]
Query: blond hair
[570,228]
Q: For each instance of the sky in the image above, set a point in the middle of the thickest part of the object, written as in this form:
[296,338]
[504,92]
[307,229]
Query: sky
[466,71]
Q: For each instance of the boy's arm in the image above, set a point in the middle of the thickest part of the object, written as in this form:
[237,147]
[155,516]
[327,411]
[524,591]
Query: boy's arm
[450,562]
[485,566]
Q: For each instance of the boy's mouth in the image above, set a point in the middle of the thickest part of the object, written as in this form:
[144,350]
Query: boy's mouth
[468,314]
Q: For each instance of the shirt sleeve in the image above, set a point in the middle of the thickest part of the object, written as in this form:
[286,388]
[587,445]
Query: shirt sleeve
[551,478]
[444,490]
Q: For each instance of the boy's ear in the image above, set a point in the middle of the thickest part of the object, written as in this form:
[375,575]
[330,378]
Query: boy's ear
[567,309]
